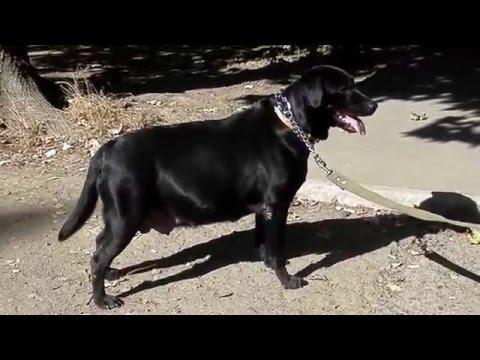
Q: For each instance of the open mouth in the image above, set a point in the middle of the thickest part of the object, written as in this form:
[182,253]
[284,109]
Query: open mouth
[349,122]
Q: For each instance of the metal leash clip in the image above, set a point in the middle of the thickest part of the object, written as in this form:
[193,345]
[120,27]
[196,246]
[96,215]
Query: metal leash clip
[322,164]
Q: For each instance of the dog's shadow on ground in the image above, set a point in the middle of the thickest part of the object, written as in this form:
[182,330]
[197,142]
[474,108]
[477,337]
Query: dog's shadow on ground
[339,239]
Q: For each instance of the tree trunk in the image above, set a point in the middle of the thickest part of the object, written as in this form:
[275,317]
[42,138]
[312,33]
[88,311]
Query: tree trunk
[28,100]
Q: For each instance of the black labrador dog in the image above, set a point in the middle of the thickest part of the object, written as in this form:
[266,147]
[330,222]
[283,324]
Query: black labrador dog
[212,171]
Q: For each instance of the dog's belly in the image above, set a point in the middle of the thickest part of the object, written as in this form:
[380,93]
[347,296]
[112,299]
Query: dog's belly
[160,221]
[183,201]
[164,222]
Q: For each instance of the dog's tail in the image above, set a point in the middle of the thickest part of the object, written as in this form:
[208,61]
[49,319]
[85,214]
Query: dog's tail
[86,203]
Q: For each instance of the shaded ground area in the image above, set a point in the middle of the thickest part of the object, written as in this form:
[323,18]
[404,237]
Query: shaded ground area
[145,69]
[177,68]
[355,261]
[448,74]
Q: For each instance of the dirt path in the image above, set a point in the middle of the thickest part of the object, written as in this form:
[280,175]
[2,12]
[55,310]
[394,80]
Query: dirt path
[355,262]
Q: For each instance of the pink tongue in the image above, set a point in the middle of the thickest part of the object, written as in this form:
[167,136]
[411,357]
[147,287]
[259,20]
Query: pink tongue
[356,124]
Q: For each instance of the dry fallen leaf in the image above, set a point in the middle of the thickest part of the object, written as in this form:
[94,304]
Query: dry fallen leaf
[210,110]
[294,217]
[474,237]
[226,295]
[117,131]
[296,202]
[417,117]
[413,266]
[416,253]
[394,288]
[50,153]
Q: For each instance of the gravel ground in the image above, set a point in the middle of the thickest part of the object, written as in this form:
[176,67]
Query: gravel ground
[356,261]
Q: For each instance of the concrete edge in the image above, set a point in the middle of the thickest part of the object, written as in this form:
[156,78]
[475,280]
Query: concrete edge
[324,191]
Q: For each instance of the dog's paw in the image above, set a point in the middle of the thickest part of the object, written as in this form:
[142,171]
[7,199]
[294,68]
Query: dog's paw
[294,282]
[260,253]
[270,262]
[112,274]
[109,302]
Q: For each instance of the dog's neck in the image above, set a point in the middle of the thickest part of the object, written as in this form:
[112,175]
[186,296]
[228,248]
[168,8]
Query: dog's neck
[283,109]
[284,112]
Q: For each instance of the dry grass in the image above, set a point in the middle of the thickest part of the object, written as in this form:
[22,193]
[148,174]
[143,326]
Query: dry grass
[28,121]
[89,115]
[99,116]
[93,118]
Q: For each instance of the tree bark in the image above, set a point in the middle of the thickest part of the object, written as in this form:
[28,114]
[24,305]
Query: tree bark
[28,100]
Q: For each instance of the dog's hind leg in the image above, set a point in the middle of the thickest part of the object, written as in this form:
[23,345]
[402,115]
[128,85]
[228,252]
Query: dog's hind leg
[111,274]
[115,238]
[122,219]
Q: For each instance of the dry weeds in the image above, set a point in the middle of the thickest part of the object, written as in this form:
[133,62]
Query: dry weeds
[90,115]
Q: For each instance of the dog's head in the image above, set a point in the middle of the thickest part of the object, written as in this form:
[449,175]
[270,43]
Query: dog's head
[327,96]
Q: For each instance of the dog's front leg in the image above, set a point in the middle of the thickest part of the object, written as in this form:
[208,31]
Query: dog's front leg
[259,244]
[273,222]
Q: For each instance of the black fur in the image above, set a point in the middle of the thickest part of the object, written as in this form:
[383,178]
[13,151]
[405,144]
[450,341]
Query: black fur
[211,171]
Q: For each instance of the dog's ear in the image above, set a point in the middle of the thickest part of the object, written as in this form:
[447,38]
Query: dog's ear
[313,92]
